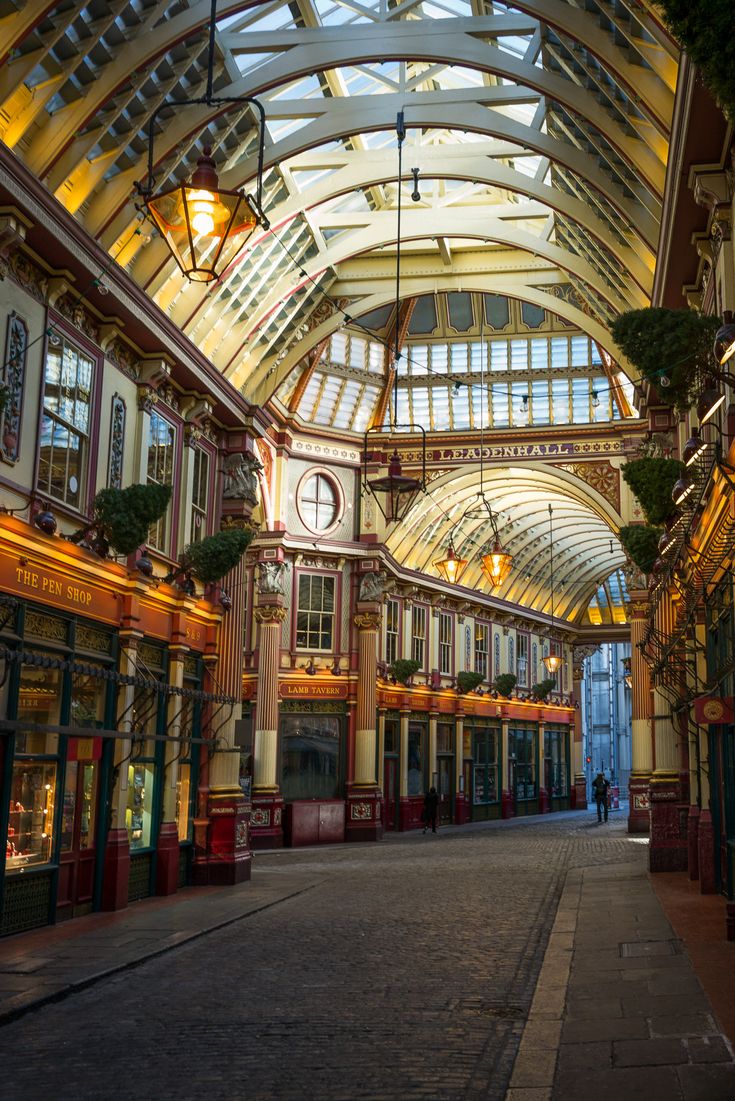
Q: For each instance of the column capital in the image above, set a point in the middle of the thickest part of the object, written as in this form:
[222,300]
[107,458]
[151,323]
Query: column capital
[367,621]
[270,613]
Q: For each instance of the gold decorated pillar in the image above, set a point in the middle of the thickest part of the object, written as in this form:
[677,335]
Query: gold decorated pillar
[507,805]
[167,857]
[267,818]
[364,821]
[578,794]
[639,784]
[117,849]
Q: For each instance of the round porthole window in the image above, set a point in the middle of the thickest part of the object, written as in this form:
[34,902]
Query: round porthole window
[319,502]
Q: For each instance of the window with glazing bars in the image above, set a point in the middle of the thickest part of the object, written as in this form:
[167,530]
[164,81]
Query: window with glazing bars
[418,634]
[392,631]
[315,613]
[522,659]
[160,471]
[445,642]
[482,648]
[199,495]
[65,424]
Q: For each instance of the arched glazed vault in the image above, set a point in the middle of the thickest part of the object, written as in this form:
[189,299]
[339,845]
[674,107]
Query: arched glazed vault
[585,548]
[540,131]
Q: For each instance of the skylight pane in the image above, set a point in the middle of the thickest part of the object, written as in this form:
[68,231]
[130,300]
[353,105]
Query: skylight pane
[306,405]
[501,409]
[498,355]
[459,358]
[461,408]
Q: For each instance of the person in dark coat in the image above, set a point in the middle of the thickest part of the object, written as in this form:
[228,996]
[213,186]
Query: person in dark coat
[431,806]
[599,787]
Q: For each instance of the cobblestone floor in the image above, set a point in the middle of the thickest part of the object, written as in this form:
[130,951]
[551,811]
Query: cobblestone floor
[405,971]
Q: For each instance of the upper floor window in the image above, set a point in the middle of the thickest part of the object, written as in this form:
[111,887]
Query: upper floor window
[445,642]
[418,634]
[315,612]
[522,661]
[392,631]
[199,496]
[319,503]
[160,471]
[65,424]
[482,648]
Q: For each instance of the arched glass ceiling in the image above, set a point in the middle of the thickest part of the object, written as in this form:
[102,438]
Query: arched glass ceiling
[540,131]
[468,362]
[608,605]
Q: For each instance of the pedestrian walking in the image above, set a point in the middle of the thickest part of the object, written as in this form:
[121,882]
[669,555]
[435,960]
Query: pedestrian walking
[431,806]
[600,788]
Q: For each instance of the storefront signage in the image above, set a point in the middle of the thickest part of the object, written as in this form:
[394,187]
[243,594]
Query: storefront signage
[714,709]
[36,583]
[312,691]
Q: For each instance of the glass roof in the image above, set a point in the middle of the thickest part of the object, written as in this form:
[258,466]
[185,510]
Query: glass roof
[541,153]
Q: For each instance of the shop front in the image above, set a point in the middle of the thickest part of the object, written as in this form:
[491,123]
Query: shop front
[556,767]
[483,781]
[312,767]
[83,742]
[522,775]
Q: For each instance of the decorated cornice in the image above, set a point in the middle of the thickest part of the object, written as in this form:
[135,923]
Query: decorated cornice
[270,613]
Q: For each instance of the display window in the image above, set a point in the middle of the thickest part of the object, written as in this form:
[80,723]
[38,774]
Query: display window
[485,765]
[555,763]
[139,807]
[310,756]
[416,779]
[39,701]
[522,751]
[31,816]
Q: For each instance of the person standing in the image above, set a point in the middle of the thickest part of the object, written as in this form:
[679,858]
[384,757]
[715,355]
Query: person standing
[431,806]
[600,788]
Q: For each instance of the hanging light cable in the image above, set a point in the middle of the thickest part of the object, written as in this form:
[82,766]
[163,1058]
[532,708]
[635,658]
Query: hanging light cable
[552,661]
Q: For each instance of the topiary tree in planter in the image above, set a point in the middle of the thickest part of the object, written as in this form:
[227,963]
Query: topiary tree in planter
[652,481]
[504,683]
[403,669]
[641,543]
[213,557]
[467,681]
[704,30]
[542,689]
[121,518]
[671,348]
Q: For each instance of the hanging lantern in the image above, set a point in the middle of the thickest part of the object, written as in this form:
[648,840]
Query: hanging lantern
[552,663]
[452,567]
[197,220]
[496,565]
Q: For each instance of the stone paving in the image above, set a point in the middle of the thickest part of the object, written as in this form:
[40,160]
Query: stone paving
[404,970]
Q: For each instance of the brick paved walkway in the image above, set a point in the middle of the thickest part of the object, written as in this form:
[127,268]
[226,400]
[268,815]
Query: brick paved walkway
[405,970]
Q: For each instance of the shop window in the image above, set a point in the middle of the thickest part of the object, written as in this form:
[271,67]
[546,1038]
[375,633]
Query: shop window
[310,756]
[418,635]
[555,765]
[392,736]
[183,801]
[445,643]
[199,495]
[416,758]
[65,423]
[79,807]
[392,631]
[160,471]
[521,749]
[319,503]
[139,807]
[31,815]
[39,701]
[482,649]
[444,738]
[315,613]
[485,765]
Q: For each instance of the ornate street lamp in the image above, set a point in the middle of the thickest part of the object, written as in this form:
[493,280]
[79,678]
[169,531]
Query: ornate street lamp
[452,567]
[199,220]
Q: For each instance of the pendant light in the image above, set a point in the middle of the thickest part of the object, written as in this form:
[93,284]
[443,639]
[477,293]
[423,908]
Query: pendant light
[552,661]
[199,220]
[496,563]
